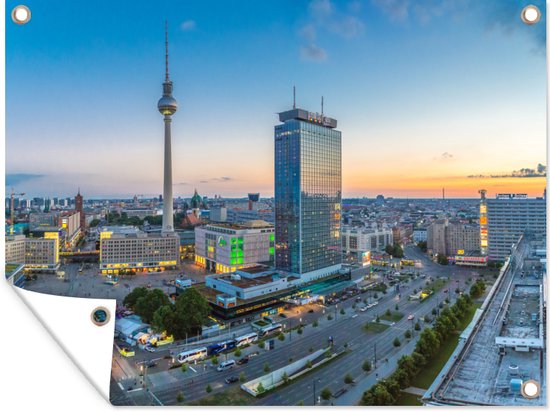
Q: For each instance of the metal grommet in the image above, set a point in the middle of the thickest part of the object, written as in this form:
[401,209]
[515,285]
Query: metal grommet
[100,316]
[21,14]
[531,14]
[530,389]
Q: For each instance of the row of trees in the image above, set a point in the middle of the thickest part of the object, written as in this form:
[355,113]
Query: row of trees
[184,317]
[387,392]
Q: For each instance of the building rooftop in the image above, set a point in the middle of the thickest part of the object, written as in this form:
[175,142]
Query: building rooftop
[252,224]
[311,117]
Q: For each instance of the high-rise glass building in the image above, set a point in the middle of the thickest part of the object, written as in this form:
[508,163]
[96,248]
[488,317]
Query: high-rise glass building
[308,194]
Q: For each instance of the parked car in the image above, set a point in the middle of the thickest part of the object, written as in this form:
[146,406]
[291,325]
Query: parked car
[283,315]
[232,379]
[242,361]
[363,309]
[150,348]
[310,311]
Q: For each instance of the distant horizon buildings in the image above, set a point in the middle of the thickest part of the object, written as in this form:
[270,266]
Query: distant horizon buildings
[308,194]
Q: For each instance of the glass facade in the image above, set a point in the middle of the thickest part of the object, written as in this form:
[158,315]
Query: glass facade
[308,194]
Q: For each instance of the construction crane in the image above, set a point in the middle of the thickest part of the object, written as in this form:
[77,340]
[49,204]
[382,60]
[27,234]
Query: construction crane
[12,208]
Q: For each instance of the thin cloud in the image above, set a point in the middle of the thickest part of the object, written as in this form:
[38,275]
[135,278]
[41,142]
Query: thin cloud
[188,25]
[308,32]
[539,171]
[312,52]
[223,179]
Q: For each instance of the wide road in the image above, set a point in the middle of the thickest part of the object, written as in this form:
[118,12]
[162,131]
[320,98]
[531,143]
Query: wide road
[345,329]
[165,385]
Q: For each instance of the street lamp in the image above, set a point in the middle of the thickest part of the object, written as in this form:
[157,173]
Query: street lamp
[314,393]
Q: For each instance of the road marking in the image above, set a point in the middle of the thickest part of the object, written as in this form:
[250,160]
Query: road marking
[192,369]
[121,387]
[136,389]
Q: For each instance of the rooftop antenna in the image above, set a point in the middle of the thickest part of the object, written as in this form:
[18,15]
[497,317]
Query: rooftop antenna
[166,29]
[294,97]
[322,105]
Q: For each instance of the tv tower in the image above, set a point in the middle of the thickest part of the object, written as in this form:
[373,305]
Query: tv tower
[167,106]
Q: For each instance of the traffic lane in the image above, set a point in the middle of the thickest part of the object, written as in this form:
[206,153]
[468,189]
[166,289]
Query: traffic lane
[352,362]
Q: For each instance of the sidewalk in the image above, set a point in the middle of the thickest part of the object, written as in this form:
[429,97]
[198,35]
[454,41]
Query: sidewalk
[354,394]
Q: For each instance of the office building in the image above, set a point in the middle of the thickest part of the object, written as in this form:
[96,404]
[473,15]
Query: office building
[450,238]
[308,194]
[223,248]
[508,217]
[360,240]
[37,254]
[127,249]
[420,234]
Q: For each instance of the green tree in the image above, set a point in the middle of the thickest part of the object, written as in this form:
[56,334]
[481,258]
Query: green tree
[214,360]
[326,394]
[367,366]
[310,349]
[261,344]
[396,307]
[132,297]
[299,403]
[398,251]
[260,388]
[285,377]
[315,323]
[163,318]
[184,367]
[300,331]
[191,313]
[408,334]
[442,259]
[417,326]
[146,305]
[389,249]
[396,342]
[427,344]
[237,352]
[95,222]
[342,311]
[309,364]
[208,389]
[281,337]
[348,379]
[242,377]
[266,368]
[180,397]
[329,317]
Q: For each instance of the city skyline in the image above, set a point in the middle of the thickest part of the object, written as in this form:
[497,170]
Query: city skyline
[392,105]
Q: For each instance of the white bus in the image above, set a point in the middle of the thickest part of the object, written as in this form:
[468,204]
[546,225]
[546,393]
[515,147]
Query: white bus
[246,339]
[192,355]
[271,329]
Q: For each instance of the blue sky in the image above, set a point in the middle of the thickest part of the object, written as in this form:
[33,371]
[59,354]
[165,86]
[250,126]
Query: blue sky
[426,93]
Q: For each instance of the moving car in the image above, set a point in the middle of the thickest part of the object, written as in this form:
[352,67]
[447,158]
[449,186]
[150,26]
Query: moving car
[363,309]
[232,379]
[150,348]
[226,365]
[410,317]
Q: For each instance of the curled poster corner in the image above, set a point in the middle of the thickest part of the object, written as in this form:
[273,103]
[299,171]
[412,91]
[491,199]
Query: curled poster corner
[68,320]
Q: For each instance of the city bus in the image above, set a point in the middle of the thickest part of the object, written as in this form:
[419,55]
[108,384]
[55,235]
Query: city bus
[192,355]
[246,339]
[218,348]
[272,329]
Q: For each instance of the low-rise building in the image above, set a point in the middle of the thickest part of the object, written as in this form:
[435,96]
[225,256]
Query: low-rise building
[130,250]
[248,283]
[223,248]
